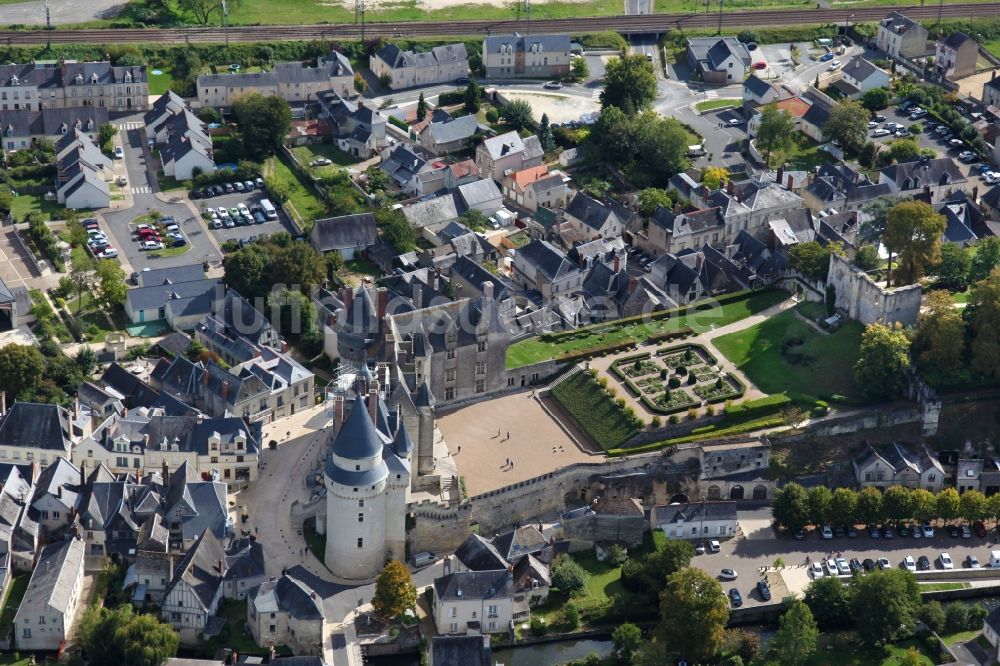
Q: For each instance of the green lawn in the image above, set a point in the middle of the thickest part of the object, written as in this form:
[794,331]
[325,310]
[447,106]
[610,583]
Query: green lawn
[361,266]
[171,251]
[821,367]
[707,316]
[712,104]
[235,634]
[837,650]
[26,203]
[943,587]
[805,153]
[168,184]
[18,585]
[594,410]
[811,311]
[301,195]
[960,637]
[961,297]
[161,83]
[306,154]
[993,47]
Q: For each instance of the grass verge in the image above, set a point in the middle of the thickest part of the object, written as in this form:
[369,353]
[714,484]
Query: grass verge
[714,104]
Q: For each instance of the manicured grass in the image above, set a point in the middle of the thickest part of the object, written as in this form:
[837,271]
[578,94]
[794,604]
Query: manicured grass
[819,368]
[171,251]
[804,154]
[306,154]
[811,311]
[960,637]
[943,587]
[361,266]
[837,650]
[26,203]
[594,410]
[961,297]
[993,47]
[301,195]
[18,585]
[315,541]
[712,104]
[707,316]
[168,184]
[161,83]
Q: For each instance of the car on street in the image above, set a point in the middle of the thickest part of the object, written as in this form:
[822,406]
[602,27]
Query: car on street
[816,570]
[150,245]
[956,143]
[972,562]
[909,563]
[763,590]
[552,85]
[826,57]
[735,598]
[879,118]
[928,531]
[826,532]
[923,563]
[714,546]
[868,564]
[834,66]
[855,565]
[699,549]
[967,156]
[734,122]
[883,563]
[843,568]
[966,532]
[727,574]
[946,561]
[880,132]
[119,153]
[991,177]
[108,253]
[954,532]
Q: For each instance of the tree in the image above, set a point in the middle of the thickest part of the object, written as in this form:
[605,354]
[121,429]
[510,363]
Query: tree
[209,114]
[714,177]
[629,83]
[21,368]
[987,258]
[949,504]
[884,605]
[278,189]
[474,219]
[882,357]
[105,136]
[820,499]
[896,503]
[985,305]
[870,506]
[956,617]
[109,286]
[923,505]
[877,212]
[296,265]
[395,230]
[954,267]
[473,96]
[202,10]
[973,506]
[545,136]
[82,278]
[875,99]
[993,507]
[741,644]
[580,69]
[847,125]
[360,85]
[812,259]
[790,506]
[775,132]
[912,656]
[394,591]
[913,231]
[843,506]
[904,150]
[648,574]
[517,114]
[118,636]
[931,613]
[940,338]
[292,311]
[867,257]
[626,638]
[263,123]
[652,198]
[746,36]
[421,107]
[795,640]
[693,615]
[245,270]
[86,360]
[568,576]
[829,601]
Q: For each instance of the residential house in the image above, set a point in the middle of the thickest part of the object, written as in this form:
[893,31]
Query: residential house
[536,187]
[183,158]
[185,146]
[22,129]
[34,432]
[938,178]
[166,106]
[460,651]
[528,56]
[592,219]
[287,612]
[81,173]
[55,495]
[482,195]
[842,188]
[180,305]
[962,219]
[759,92]
[69,84]
[407,69]
[969,474]
[15,307]
[357,129]
[991,631]
[901,37]
[671,231]
[294,82]
[470,276]
[476,602]
[345,234]
[47,614]
[814,119]
[507,152]
[604,521]
[796,107]
[193,594]
[990,202]
[404,167]
[718,59]
[991,93]
[896,465]
[697,520]
[859,76]
[449,135]
[955,57]
[541,267]
[245,569]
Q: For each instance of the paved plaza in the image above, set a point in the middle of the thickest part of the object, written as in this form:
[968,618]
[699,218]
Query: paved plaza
[536,444]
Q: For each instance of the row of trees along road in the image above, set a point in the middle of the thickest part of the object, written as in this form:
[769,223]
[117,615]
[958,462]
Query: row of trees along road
[794,507]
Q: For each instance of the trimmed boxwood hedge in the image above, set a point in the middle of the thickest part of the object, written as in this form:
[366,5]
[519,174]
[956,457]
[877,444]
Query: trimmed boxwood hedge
[594,410]
[760,406]
[589,352]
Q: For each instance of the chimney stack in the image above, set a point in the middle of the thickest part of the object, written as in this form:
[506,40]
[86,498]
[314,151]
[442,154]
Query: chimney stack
[347,295]
[633,282]
[975,194]
[677,208]
[338,413]
[225,389]
[488,290]
[418,295]
[730,188]
[458,291]
[617,263]
[781,174]
[373,404]
[789,185]
[382,298]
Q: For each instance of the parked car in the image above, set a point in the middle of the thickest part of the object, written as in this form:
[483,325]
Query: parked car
[229,188]
[216,223]
[699,549]
[831,567]
[826,57]
[816,570]
[883,564]
[919,113]
[928,531]
[842,567]
[972,562]
[852,533]
[714,546]
[887,532]
[941,129]
[734,122]
[763,590]
[956,143]
[108,253]
[462,80]
[904,531]
[248,185]
[909,563]
[227,222]
[855,565]
[826,532]
[874,533]
[321,161]
[834,66]
[150,245]
[735,598]
[946,561]
[800,535]
[242,207]
[879,117]
[880,132]
[178,242]
[119,153]
[923,563]
[259,182]
[868,564]
[258,217]
[552,85]
[916,532]
[967,156]
[872,124]
[954,532]
[991,177]
[727,574]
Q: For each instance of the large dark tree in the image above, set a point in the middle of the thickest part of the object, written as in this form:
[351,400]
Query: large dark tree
[21,368]
[629,83]
[263,123]
[885,605]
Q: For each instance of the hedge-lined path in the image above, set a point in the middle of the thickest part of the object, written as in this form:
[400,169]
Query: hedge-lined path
[603,364]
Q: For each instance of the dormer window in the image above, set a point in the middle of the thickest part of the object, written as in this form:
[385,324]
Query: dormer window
[128,77]
[79,79]
[14,81]
[93,77]
[63,128]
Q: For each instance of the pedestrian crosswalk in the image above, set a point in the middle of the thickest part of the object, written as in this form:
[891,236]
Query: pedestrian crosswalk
[129,126]
[142,189]
[711,94]
[596,95]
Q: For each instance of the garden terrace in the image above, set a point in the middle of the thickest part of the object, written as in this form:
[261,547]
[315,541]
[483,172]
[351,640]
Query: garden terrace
[597,413]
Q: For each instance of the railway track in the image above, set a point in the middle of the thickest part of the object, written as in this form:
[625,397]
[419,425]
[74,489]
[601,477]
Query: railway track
[650,23]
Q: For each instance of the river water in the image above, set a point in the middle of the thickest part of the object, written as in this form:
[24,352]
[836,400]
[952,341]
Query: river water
[543,654]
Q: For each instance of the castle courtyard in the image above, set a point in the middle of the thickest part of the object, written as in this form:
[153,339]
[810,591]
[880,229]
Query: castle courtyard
[536,445]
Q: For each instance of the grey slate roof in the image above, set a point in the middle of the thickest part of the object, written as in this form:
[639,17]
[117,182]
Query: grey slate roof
[396,58]
[53,579]
[686,513]
[344,232]
[920,173]
[956,40]
[475,585]
[520,541]
[158,295]
[200,569]
[589,211]
[478,554]
[479,192]
[36,425]
[290,595]
[547,260]
[358,439]
[757,85]
[860,69]
[461,651]
[522,43]
[453,129]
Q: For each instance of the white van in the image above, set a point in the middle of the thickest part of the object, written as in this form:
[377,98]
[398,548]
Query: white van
[995,558]
[696,150]
[269,211]
[423,559]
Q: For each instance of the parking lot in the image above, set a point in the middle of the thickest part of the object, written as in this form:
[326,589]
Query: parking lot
[928,138]
[248,199]
[748,557]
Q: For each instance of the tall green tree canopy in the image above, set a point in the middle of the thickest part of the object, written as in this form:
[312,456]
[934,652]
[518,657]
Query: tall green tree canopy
[884,353]
[394,590]
[795,640]
[775,132]
[847,125]
[939,342]
[629,83]
[21,368]
[263,123]
[913,232]
[791,507]
[985,305]
[693,615]
[118,636]
[884,605]
[518,114]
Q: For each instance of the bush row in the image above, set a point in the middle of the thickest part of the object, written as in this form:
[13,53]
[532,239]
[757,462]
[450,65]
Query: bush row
[706,432]
[45,241]
[759,407]
[589,352]
[603,419]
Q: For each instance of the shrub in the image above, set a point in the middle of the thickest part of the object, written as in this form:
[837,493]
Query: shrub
[674,382]
[492,116]
[692,413]
[538,627]
[568,576]
[572,616]
[956,617]
[656,422]
[710,411]
[681,370]
[820,408]
[674,419]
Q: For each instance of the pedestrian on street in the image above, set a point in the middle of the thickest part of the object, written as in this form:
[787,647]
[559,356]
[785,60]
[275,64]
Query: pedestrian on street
[508,434]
